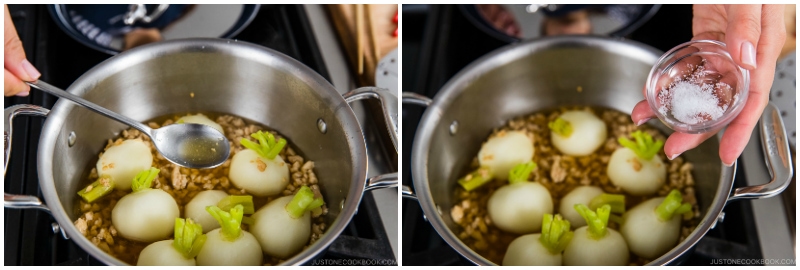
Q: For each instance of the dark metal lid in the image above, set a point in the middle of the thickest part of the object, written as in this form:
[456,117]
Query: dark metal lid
[104,27]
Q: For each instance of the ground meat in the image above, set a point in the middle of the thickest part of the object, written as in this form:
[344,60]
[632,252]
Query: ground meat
[183,184]
[560,174]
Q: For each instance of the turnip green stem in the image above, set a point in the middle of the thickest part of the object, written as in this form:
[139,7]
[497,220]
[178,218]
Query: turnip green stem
[615,218]
[561,127]
[616,201]
[245,200]
[189,237]
[555,233]
[521,172]
[476,179]
[266,147]
[144,179]
[597,221]
[229,221]
[248,220]
[303,202]
[644,146]
[672,206]
[98,189]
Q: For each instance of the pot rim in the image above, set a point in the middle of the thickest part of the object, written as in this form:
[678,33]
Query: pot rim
[115,64]
[502,56]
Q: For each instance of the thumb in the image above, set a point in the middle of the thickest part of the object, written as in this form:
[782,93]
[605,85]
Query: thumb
[15,61]
[742,34]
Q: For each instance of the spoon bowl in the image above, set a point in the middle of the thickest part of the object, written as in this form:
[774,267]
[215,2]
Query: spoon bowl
[188,145]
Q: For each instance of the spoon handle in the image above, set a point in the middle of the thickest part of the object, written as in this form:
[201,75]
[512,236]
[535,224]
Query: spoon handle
[47,88]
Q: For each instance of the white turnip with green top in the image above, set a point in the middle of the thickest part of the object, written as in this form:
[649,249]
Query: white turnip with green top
[505,150]
[196,208]
[121,162]
[283,226]
[594,198]
[579,195]
[146,214]
[637,168]
[188,242]
[595,243]
[541,248]
[653,227]
[577,133]
[229,245]
[259,169]
[519,206]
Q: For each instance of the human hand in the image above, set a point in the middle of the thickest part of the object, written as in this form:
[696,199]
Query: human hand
[17,67]
[754,36]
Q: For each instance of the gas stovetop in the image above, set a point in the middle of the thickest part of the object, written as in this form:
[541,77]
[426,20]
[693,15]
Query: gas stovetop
[29,234]
[439,41]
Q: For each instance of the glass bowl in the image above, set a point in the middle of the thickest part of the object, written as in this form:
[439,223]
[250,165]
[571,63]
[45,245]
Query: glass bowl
[696,87]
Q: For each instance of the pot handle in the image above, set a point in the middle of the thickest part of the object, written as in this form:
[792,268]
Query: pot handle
[20,201]
[423,101]
[11,113]
[408,193]
[389,107]
[388,180]
[775,145]
[416,99]
[388,104]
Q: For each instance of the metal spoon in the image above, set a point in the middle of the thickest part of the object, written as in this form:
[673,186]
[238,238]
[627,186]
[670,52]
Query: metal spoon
[188,145]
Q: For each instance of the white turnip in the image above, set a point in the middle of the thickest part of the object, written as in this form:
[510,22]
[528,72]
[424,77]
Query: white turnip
[146,214]
[283,226]
[596,244]
[188,242]
[577,133]
[542,248]
[579,195]
[123,161]
[229,244]
[259,169]
[196,208]
[636,168]
[653,227]
[519,206]
[505,150]
[200,119]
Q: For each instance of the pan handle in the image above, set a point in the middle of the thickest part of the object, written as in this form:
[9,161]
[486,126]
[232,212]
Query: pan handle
[416,99]
[388,180]
[775,145]
[20,201]
[389,107]
[408,193]
[388,104]
[11,113]
[419,100]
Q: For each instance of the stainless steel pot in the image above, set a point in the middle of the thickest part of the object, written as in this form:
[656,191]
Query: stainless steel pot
[206,75]
[541,74]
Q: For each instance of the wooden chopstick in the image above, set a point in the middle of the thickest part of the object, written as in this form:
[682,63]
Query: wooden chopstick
[376,51]
[359,31]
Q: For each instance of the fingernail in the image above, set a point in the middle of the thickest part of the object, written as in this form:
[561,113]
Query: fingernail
[749,54]
[32,72]
[727,164]
[675,155]
[643,121]
[23,94]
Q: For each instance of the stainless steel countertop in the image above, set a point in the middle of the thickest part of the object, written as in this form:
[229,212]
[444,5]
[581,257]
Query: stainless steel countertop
[774,233]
